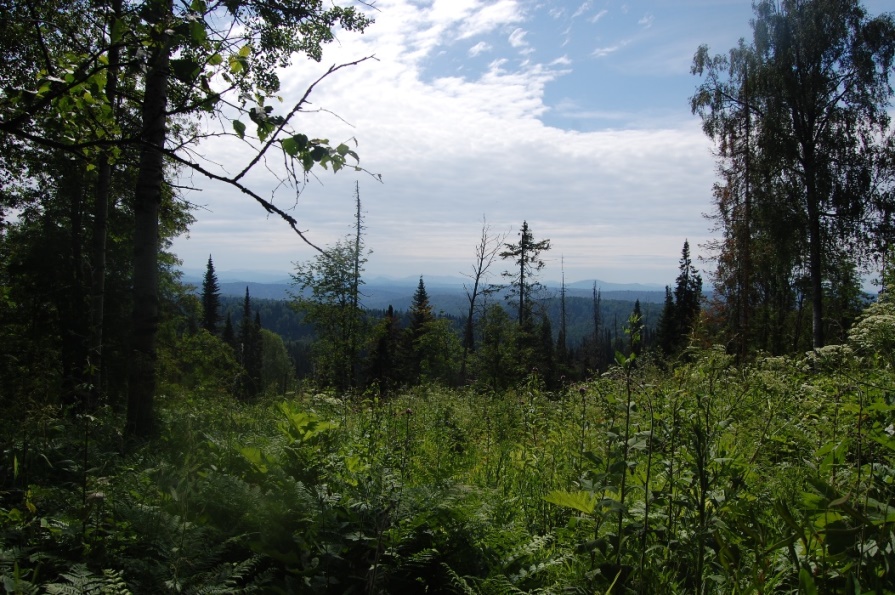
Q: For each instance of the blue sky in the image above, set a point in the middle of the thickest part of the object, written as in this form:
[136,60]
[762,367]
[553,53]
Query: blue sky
[571,115]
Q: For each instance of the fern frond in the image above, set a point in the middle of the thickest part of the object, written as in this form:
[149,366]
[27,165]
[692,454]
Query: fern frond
[230,577]
[81,581]
[460,583]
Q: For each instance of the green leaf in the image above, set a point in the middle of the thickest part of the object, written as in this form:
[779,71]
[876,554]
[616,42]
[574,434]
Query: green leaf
[216,59]
[290,146]
[118,29]
[318,152]
[264,130]
[580,500]
[198,32]
[244,51]
[185,70]
[255,456]
[806,582]
[240,128]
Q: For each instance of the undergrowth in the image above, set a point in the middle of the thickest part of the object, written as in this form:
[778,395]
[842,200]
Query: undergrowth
[712,478]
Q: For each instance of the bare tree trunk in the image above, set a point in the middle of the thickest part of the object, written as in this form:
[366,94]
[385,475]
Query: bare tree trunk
[147,201]
[485,255]
[815,263]
[100,234]
[354,319]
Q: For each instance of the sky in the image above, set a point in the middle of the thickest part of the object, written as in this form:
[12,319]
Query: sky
[571,115]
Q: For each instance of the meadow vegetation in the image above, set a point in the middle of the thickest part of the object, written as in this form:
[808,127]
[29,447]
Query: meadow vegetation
[701,477]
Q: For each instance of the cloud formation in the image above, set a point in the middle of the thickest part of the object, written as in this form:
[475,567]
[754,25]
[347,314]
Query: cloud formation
[455,120]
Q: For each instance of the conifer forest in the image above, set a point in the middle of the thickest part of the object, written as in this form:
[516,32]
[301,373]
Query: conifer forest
[161,437]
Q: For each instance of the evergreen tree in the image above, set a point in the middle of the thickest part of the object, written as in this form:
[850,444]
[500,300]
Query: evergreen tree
[250,350]
[228,335]
[526,256]
[420,309]
[211,299]
[598,352]
[687,293]
[562,350]
[667,331]
[681,309]
[384,364]
[420,317]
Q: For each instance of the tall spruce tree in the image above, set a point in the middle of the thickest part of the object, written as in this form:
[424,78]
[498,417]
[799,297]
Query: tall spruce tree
[421,316]
[251,348]
[526,256]
[682,307]
[562,355]
[687,292]
[211,299]
[667,331]
[597,352]
[228,335]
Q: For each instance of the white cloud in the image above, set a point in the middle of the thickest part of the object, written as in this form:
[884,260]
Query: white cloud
[646,21]
[617,203]
[479,48]
[488,16]
[517,38]
[599,16]
[605,51]
[583,8]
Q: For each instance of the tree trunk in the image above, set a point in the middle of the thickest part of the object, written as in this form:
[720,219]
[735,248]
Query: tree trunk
[815,264]
[147,200]
[100,233]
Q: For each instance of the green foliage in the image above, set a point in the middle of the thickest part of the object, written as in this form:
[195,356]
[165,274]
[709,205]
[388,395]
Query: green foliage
[277,369]
[198,362]
[707,478]
[525,257]
[81,581]
[681,310]
[327,290]
[211,299]
[796,204]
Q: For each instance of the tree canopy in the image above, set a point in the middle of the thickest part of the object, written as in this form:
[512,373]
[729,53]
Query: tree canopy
[800,119]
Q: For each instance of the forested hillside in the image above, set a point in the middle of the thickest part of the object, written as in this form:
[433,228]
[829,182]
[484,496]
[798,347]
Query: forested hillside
[736,436]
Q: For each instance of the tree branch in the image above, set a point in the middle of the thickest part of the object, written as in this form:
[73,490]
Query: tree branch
[295,109]
[268,206]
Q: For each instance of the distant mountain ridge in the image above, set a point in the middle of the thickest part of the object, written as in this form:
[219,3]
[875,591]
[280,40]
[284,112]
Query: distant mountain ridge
[447,294]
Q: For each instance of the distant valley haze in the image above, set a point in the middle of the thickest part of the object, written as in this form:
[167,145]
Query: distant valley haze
[447,294]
